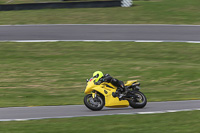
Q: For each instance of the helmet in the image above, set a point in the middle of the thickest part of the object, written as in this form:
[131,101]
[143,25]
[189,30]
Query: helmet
[97,75]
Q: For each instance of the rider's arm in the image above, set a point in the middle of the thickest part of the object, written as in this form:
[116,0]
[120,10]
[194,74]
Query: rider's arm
[97,83]
[106,78]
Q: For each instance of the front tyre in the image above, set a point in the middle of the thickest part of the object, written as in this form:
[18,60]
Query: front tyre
[139,101]
[94,104]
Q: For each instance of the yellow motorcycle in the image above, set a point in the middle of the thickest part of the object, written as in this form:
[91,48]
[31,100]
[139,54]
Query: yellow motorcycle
[103,94]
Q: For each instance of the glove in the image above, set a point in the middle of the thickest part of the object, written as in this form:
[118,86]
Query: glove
[97,83]
[101,80]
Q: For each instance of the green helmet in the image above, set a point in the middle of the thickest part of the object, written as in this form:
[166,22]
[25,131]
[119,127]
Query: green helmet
[97,75]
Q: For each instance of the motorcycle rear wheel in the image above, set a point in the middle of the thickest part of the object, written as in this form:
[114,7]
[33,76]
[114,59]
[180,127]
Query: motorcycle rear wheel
[92,104]
[139,102]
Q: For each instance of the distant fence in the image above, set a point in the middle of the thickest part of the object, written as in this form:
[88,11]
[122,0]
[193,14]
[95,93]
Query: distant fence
[78,4]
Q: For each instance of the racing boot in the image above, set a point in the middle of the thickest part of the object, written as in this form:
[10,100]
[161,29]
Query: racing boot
[117,93]
[123,93]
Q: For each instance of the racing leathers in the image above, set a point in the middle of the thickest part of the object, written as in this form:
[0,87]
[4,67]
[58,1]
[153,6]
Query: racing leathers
[119,84]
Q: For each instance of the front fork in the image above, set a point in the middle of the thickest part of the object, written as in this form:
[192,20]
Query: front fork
[94,96]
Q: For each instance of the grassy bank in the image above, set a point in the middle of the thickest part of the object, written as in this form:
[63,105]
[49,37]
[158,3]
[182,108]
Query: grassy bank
[143,12]
[181,122]
[55,73]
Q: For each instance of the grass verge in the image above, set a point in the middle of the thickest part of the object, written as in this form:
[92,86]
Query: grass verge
[33,74]
[143,12]
[179,122]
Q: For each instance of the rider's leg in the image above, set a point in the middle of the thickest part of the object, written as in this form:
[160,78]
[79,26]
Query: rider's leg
[121,90]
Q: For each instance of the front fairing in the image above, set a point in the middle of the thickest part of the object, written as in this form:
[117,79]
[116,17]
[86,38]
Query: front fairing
[90,86]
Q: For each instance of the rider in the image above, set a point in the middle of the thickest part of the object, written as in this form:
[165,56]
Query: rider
[107,78]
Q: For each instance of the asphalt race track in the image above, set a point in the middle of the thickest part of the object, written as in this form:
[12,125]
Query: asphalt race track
[44,112]
[113,32]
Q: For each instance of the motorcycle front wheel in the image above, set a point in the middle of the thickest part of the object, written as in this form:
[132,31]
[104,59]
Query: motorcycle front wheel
[94,104]
[139,102]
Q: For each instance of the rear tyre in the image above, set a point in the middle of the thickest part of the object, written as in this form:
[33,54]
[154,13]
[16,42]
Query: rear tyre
[94,104]
[139,102]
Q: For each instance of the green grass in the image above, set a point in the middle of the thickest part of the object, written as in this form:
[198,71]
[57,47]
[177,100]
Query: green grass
[181,122]
[143,12]
[34,74]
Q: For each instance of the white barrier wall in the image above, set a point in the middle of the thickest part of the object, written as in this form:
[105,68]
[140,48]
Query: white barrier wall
[126,3]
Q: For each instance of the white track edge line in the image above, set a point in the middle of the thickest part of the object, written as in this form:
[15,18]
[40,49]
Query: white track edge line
[183,25]
[133,113]
[99,41]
